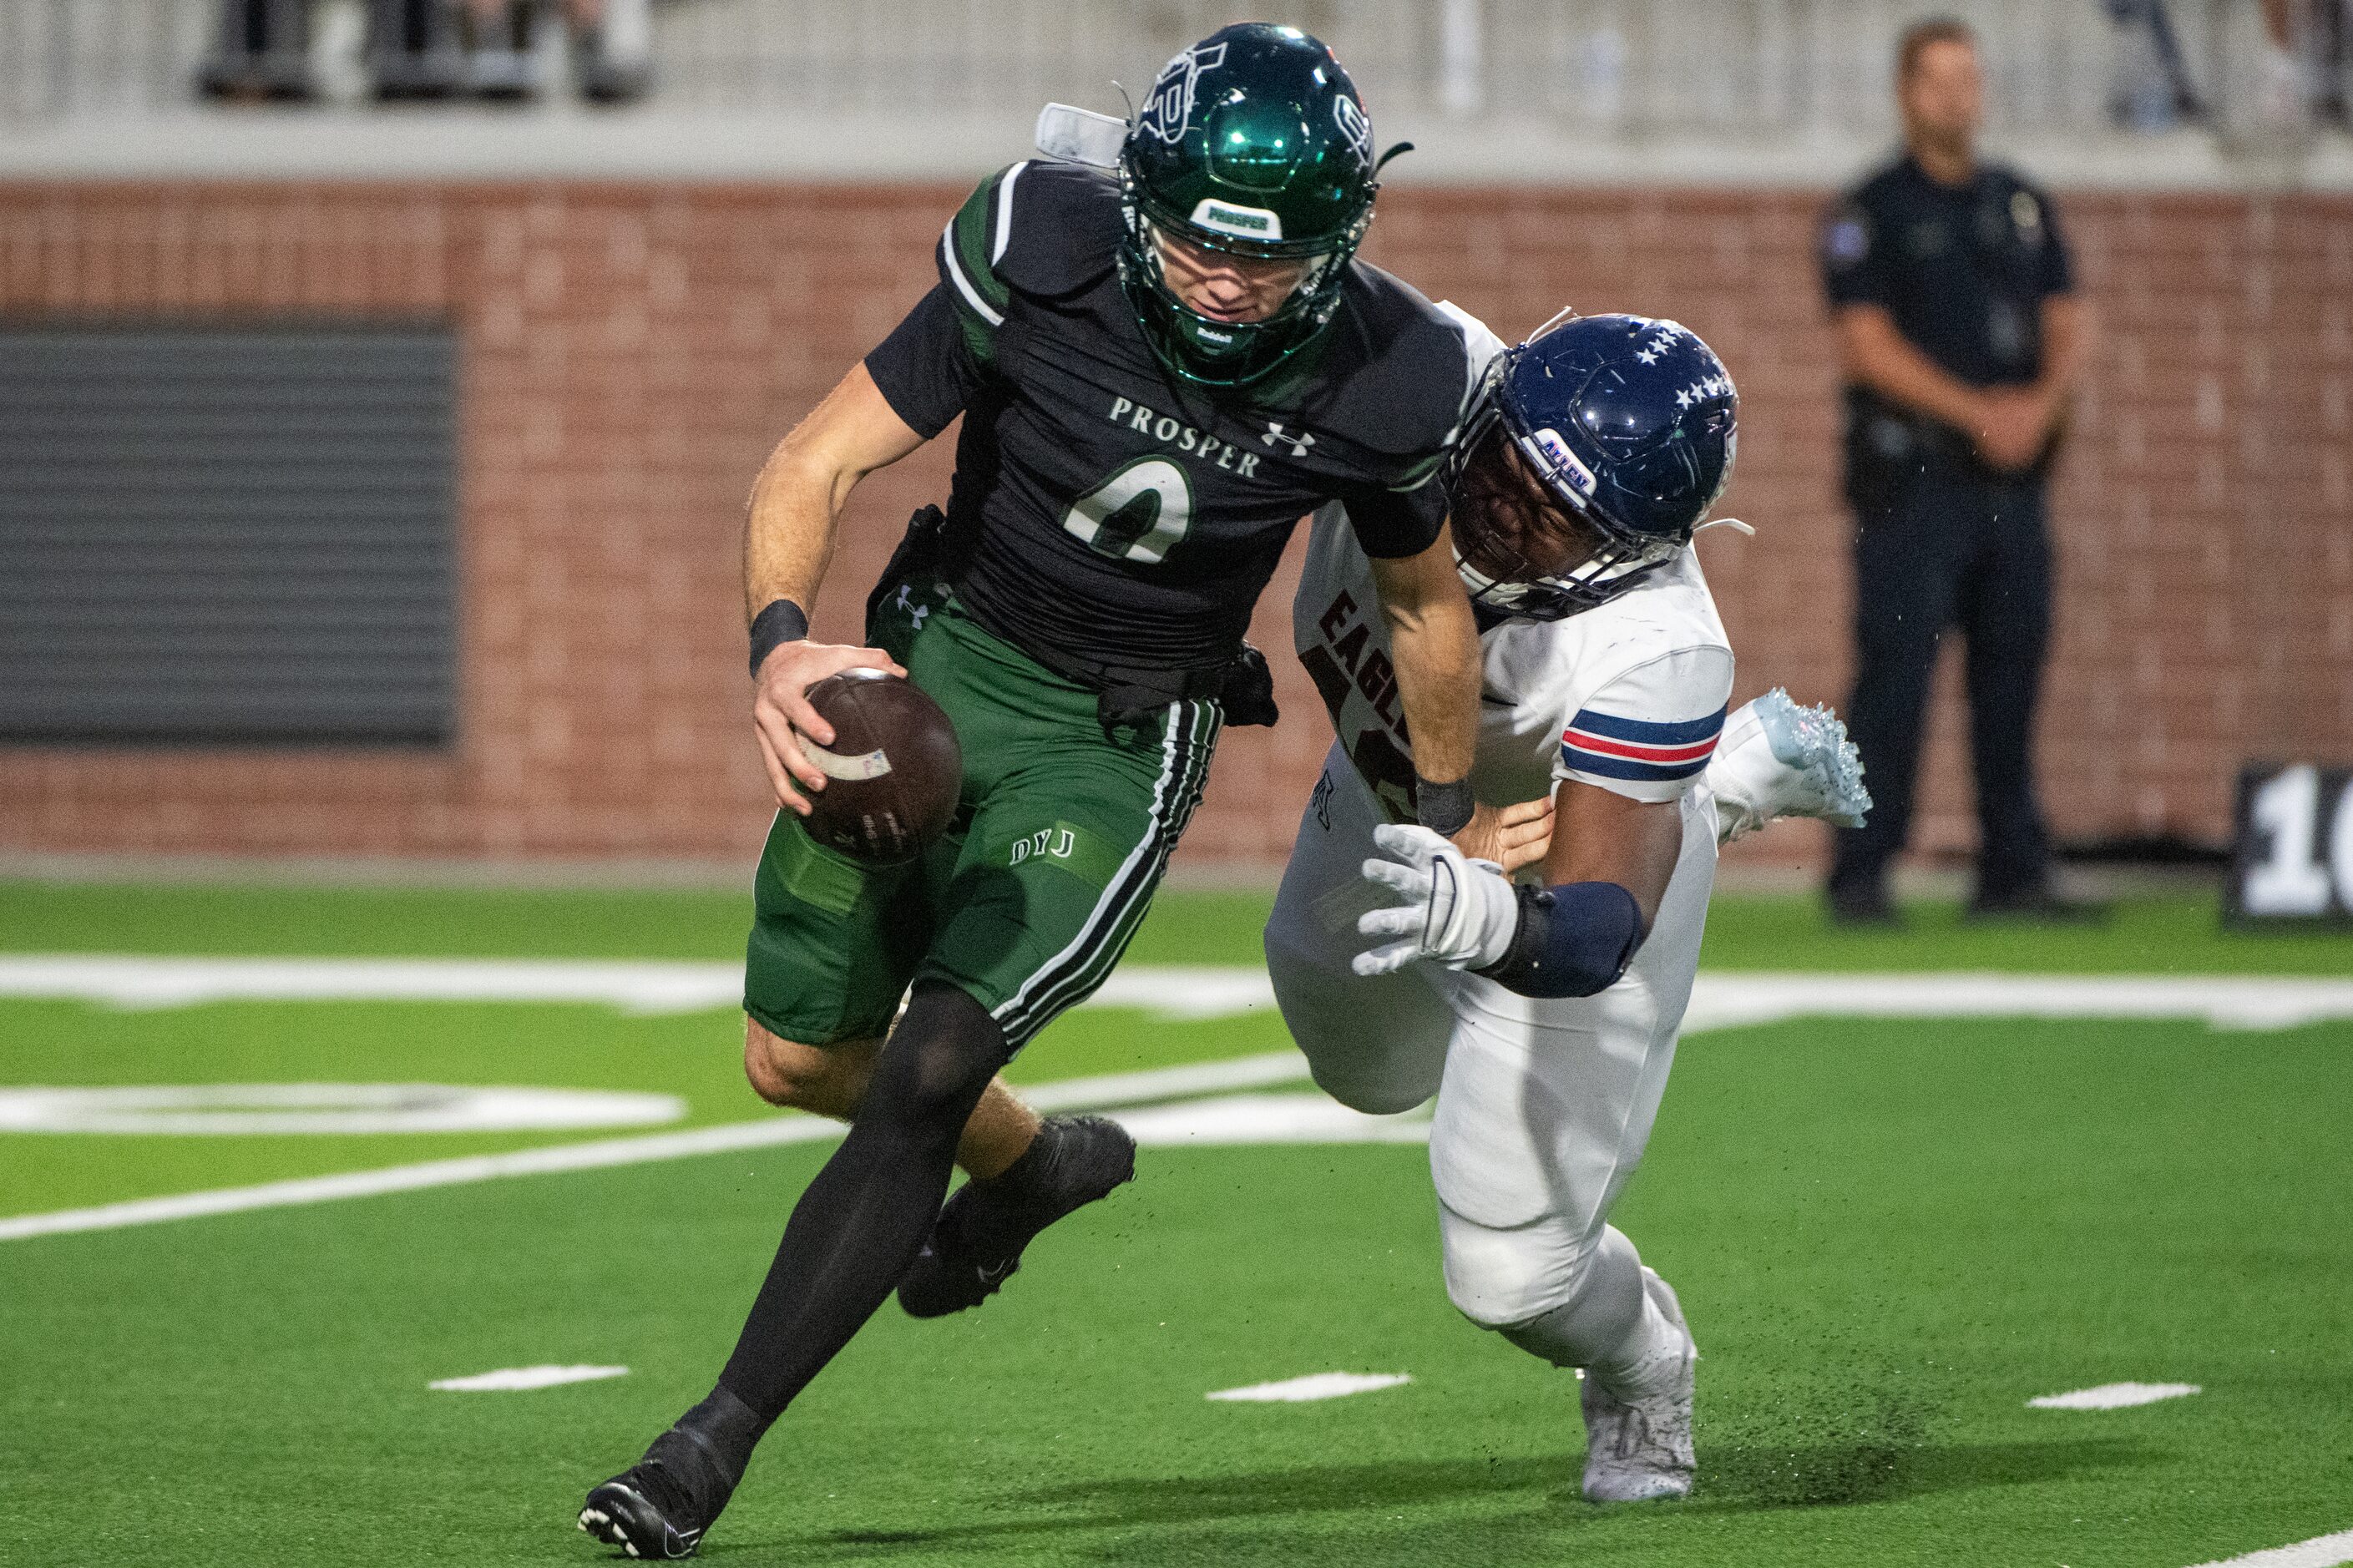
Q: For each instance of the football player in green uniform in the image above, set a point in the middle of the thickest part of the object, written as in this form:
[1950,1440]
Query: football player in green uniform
[1160,371]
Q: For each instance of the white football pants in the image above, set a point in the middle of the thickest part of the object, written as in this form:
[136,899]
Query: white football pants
[1543,1106]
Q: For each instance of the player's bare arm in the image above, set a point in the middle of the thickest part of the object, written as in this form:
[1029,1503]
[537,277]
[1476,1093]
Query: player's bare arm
[788,538]
[1600,836]
[1435,643]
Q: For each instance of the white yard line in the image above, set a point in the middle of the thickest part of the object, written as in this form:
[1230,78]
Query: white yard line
[1719,1001]
[1722,999]
[2320,1551]
[1129,1089]
[135,981]
[2114,1396]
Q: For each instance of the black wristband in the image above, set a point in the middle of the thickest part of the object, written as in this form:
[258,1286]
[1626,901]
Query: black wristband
[780,623]
[1444,808]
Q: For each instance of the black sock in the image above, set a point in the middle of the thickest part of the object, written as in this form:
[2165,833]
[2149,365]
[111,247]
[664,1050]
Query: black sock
[863,1220]
[728,1430]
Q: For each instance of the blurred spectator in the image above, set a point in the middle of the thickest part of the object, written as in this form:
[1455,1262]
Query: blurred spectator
[413,50]
[2153,90]
[503,65]
[262,52]
[1960,337]
[416,49]
[2308,49]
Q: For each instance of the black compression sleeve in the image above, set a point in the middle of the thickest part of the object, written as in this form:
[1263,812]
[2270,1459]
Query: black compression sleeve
[860,1222]
[1573,940]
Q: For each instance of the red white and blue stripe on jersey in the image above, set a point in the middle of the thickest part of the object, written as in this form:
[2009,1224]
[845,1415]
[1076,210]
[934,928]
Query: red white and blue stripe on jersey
[1613,748]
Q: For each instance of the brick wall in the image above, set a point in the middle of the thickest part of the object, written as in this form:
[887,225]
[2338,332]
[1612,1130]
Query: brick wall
[631,353]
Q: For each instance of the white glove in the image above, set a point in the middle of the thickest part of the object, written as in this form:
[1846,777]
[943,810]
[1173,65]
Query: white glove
[1456,911]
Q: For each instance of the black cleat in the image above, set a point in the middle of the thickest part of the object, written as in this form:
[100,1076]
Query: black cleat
[659,1508]
[976,1245]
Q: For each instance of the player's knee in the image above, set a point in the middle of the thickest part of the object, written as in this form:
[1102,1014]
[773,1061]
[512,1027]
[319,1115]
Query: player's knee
[1326,1017]
[1375,1094]
[1505,1280]
[938,1060]
[785,1073]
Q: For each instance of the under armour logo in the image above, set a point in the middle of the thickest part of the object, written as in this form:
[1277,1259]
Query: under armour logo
[1299,443]
[915,611]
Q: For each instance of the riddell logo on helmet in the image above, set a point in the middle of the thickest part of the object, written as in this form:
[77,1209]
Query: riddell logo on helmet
[1248,223]
[1564,462]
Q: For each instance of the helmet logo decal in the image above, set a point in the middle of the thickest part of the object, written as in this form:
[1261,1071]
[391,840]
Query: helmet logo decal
[1170,107]
[1565,462]
[1248,223]
[1349,116]
[1702,389]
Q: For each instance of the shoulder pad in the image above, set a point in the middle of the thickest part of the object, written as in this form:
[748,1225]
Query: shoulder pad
[1037,228]
[1414,366]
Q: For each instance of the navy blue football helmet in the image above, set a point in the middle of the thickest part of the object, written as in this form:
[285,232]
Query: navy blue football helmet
[1623,430]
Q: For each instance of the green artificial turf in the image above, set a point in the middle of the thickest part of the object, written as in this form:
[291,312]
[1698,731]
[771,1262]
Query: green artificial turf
[2177,933]
[1889,1234]
[1888,1237]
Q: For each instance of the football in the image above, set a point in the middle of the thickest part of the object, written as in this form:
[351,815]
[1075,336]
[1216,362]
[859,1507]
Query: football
[892,773]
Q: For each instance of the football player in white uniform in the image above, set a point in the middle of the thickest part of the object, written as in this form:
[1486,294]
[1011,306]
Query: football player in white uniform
[1542,1012]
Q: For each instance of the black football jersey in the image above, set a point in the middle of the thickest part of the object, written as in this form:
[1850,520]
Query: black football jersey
[1103,511]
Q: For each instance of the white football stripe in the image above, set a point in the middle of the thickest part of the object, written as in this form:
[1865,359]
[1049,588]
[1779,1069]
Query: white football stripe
[1720,1000]
[247,1108]
[1275,1067]
[138,983]
[2320,1551]
[1316,1386]
[2114,1396]
[513,1379]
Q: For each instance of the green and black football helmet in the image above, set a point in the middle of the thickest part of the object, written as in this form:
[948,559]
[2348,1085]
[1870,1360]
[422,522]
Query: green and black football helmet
[1253,143]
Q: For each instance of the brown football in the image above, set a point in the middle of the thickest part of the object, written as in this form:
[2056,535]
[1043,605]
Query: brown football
[894,771]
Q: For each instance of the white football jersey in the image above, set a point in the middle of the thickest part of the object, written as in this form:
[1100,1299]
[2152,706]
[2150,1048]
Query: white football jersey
[1630,695]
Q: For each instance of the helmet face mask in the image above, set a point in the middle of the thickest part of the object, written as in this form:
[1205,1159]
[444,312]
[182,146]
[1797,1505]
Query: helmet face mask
[1525,551]
[1253,144]
[1591,457]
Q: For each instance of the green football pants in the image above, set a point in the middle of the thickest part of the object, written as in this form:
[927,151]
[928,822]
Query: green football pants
[1028,901]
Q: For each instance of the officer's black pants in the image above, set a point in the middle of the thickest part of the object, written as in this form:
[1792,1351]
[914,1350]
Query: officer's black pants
[1951,552]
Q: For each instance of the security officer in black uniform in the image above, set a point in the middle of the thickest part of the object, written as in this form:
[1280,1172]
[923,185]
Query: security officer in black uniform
[1960,338]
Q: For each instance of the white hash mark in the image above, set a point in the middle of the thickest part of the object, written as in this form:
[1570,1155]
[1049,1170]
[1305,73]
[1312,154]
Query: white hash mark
[2114,1395]
[515,1379]
[1316,1386]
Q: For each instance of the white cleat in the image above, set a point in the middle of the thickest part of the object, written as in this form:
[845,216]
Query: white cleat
[1641,1450]
[1778,759]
